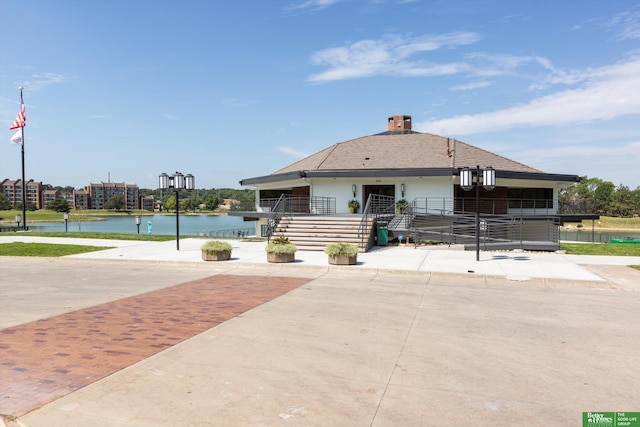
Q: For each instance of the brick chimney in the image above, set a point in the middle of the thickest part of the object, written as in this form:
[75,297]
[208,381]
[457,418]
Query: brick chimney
[399,124]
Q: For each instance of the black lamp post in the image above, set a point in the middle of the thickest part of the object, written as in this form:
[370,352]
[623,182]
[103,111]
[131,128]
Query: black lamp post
[138,223]
[488,182]
[66,221]
[177,182]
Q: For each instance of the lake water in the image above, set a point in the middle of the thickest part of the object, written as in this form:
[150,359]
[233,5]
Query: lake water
[196,225]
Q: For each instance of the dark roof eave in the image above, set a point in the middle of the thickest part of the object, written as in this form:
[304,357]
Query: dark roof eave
[538,176]
[387,173]
[273,178]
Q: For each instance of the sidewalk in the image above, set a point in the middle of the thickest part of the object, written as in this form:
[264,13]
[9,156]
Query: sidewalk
[424,259]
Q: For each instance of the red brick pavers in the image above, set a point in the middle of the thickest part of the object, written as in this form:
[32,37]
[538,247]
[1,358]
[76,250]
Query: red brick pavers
[43,360]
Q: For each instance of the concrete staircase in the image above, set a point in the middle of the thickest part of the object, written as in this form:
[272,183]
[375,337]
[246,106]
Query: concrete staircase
[315,232]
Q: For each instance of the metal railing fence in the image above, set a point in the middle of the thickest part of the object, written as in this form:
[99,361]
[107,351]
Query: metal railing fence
[492,206]
[232,233]
[287,205]
[461,229]
[377,205]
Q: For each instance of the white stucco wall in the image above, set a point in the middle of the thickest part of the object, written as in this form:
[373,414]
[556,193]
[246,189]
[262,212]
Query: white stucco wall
[415,187]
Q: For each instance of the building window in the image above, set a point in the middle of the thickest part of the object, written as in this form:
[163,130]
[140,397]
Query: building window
[530,198]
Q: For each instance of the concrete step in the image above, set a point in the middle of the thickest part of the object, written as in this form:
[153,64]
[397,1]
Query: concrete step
[316,232]
[315,227]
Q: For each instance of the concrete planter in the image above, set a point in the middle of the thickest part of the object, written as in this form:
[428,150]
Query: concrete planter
[273,257]
[215,256]
[343,259]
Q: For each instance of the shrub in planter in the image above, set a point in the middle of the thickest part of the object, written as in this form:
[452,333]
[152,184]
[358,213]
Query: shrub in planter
[342,253]
[281,249]
[402,206]
[215,250]
[353,205]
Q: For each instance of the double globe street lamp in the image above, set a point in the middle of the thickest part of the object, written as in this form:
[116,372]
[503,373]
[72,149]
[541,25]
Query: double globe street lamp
[488,182]
[177,182]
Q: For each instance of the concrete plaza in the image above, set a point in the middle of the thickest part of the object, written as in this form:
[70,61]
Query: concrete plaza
[422,337]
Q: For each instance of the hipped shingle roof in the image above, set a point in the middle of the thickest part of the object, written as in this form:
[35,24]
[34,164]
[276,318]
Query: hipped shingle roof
[403,151]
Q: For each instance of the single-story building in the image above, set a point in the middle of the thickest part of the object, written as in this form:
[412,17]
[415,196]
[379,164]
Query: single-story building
[409,165]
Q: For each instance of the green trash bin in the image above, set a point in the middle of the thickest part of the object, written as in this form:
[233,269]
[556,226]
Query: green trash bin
[383,233]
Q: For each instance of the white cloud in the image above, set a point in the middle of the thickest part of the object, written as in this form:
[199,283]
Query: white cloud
[389,56]
[472,85]
[39,81]
[99,116]
[167,116]
[512,18]
[607,92]
[609,162]
[311,5]
[292,151]
[626,24]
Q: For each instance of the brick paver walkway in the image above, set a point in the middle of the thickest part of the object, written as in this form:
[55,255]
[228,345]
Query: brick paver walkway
[47,359]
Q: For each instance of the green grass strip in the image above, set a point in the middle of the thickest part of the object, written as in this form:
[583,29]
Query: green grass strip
[99,235]
[600,249]
[45,249]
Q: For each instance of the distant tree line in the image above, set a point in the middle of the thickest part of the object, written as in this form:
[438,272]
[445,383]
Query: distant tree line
[201,199]
[593,195]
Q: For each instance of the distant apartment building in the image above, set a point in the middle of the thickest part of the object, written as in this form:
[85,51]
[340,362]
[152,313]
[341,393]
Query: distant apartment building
[93,196]
[80,199]
[99,194]
[68,198]
[48,195]
[147,203]
[13,192]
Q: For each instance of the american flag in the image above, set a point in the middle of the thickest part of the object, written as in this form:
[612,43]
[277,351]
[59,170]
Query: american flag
[21,120]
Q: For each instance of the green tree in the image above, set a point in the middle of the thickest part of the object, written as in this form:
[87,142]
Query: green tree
[5,205]
[211,202]
[190,204]
[602,196]
[169,203]
[635,199]
[31,206]
[587,187]
[58,205]
[115,202]
[624,202]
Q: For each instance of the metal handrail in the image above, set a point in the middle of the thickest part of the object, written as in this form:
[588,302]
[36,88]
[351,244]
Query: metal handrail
[277,212]
[377,206]
[288,205]
[364,221]
[316,205]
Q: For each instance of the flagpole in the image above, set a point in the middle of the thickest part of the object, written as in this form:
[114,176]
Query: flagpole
[24,183]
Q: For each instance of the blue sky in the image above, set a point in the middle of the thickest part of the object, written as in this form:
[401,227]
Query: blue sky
[226,90]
